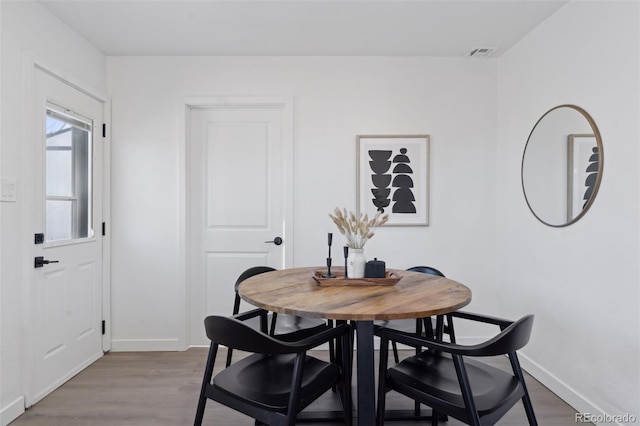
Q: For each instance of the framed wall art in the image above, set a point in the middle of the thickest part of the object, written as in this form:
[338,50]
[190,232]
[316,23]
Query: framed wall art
[583,159]
[393,177]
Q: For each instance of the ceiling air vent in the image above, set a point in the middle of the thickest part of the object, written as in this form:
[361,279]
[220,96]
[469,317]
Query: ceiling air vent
[482,52]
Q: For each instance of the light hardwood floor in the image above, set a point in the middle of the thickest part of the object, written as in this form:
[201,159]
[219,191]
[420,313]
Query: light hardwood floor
[161,388]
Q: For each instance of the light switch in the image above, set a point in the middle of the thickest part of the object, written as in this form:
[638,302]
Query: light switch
[8,190]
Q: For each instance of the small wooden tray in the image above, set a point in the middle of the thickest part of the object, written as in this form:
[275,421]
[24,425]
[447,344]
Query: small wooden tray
[391,278]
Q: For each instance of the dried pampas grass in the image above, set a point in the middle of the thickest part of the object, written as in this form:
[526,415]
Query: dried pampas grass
[358,230]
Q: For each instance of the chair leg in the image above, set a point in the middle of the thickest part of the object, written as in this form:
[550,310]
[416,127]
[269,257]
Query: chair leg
[434,418]
[526,400]
[206,381]
[451,330]
[333,354]
[344,353]
[419,328]
[296,380]
[439,328]
[419,323]
[202,402]
[528,408]
[332,351]
[395,352]
[229,357]
[351,343]
[272,330]
[382,374]
[428,328]
[465,387]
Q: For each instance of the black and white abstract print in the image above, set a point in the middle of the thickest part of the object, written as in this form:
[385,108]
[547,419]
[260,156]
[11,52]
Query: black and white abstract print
[393,174]
[392,180]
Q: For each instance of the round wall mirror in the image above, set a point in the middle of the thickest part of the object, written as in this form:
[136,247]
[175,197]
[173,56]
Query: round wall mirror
[562,165]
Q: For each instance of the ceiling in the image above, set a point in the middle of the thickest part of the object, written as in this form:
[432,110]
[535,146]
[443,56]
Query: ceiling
[302,27]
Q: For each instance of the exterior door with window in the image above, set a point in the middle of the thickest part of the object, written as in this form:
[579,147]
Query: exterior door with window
[67,281]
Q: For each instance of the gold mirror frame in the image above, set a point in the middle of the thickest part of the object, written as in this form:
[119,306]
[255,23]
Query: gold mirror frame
[570,136]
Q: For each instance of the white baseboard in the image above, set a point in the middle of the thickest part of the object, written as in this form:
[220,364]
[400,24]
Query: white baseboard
[565,392]
[145,345]
[555,385]
[11,411]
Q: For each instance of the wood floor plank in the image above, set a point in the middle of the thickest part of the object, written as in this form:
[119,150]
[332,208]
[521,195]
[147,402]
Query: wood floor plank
[161,389]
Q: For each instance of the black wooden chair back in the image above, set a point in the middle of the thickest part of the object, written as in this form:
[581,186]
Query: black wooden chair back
[426,270]
[420,326]
[253,271]
[272,323]
[448,377]
[278,380]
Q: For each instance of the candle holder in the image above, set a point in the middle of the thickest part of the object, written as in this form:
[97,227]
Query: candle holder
[346,255]
[329,274]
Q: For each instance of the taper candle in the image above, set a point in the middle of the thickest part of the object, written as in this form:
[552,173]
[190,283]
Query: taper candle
[346,255]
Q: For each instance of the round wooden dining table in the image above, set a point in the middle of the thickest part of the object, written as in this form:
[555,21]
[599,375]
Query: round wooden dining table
[296,292]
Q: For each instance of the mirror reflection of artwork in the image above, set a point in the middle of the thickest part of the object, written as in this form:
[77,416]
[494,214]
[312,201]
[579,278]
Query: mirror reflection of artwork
[393,177]
[584,162]
[562,165]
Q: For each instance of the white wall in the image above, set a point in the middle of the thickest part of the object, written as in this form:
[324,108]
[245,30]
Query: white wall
[2,405]
[27,28]
[582,282]
[453,100]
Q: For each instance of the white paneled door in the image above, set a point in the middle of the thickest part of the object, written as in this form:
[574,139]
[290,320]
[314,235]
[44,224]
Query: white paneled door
[239,169]
[66,293]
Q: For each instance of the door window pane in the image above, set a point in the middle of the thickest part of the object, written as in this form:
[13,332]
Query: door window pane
[68,176]
[59,227]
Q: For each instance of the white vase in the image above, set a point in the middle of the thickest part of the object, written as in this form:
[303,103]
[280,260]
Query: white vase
[356,263]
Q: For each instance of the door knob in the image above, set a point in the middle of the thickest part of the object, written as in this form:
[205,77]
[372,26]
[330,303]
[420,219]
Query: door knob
[40,261]
[277,241]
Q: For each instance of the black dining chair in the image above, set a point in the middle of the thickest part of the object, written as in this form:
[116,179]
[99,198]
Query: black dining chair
[449,378]
[419,326]
[278,380]
[283,326]
[444,323]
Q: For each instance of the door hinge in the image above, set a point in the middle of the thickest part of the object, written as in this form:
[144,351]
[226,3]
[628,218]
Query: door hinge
[104,130]
[104,229]
[104,327]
